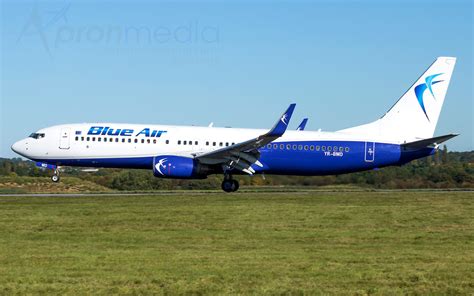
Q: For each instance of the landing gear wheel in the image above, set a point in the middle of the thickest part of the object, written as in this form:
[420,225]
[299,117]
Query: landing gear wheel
[236,185]
[227,185]
[230,185]
[55,178]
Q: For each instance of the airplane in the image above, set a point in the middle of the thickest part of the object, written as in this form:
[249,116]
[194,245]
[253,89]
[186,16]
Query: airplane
[302,125]
[404,133]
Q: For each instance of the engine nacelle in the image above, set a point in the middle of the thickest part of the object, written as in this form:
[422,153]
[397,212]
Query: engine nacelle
[178,167]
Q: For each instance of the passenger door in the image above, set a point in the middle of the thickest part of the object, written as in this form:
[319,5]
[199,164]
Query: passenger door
[64,138]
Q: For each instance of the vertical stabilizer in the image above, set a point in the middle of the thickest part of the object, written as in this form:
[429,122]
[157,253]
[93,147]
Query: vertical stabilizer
[415,115]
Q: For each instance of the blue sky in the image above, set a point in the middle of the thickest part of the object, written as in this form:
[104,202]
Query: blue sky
[236,64]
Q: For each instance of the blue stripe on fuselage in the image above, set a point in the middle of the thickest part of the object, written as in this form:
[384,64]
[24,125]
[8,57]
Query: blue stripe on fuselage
[313,162]
[285,161]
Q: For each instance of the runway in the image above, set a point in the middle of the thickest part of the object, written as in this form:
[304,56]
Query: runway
[242,192]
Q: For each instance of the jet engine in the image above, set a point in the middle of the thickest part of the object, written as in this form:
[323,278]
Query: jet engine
[178,167]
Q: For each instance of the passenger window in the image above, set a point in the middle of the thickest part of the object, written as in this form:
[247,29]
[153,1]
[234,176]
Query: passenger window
[154,141]
[300,147]
[82,138]
[220,144]
[148,141]
[311,147]
[323,148]
[275,146]
[179,142]
[116,140]
[282,146]
[288,147]
[329,148]
[196,143]
[130,140]
[306,147]
[207,143]
[77,138]
[184,142]
[136,141]
[226,144]
[167,141]
[269,146]
[123,140]
[335,148]
[295,147]
[317,148]
[341,149]
[88,139]
[99,139]
[347,149]
[213,143]
[233,143]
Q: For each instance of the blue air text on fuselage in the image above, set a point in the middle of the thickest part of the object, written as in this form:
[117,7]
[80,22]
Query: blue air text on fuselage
[106,130]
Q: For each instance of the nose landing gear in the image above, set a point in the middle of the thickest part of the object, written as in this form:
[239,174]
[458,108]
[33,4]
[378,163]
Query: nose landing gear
[229,184]
[55,177]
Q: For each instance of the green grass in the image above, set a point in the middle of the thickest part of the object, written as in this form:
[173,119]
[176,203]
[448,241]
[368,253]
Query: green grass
[247,243]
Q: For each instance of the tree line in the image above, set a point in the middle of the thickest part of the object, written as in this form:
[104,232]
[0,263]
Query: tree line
[444,169]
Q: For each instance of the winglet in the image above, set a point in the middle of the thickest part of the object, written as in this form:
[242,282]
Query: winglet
[280,127]
[302,125]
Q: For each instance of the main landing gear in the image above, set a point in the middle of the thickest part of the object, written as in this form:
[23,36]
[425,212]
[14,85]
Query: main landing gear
[229,184]
[55,177]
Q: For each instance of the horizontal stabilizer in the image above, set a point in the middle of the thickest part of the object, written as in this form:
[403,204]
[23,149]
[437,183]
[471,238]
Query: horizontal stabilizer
[431,142]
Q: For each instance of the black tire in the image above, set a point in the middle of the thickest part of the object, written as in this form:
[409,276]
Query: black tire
[55,178]
[228,185]
[236,185]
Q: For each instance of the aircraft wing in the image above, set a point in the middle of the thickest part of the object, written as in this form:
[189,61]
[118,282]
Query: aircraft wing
[242,155]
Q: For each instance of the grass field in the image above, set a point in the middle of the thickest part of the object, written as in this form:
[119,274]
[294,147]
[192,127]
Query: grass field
[258,243]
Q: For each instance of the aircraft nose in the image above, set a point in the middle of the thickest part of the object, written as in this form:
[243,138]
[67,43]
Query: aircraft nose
[16,147]
[20,147]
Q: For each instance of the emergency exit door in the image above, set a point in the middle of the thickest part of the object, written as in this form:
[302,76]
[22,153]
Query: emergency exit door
[369,151]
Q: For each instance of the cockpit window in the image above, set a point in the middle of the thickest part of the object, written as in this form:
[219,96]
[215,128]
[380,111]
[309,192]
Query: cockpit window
[37,135]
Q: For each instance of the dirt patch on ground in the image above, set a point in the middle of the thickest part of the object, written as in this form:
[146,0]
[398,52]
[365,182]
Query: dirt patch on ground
[45,185]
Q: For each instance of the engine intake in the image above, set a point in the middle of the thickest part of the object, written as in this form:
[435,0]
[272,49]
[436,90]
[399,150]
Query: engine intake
[178,167]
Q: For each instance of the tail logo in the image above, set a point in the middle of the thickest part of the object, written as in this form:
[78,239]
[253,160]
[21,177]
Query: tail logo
[420,90]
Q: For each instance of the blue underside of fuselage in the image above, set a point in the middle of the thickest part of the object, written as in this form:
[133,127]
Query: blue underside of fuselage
[349,157]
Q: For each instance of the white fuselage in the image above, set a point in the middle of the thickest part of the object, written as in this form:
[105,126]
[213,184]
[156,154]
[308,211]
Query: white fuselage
[76,141]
